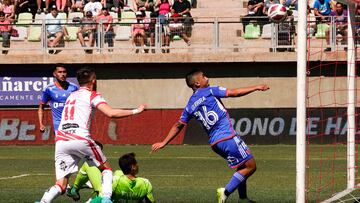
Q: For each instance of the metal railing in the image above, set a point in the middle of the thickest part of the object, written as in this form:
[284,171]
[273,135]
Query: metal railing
[204,35]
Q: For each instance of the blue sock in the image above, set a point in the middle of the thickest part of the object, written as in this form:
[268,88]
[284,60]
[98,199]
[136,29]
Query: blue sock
[242,190]
[234,182]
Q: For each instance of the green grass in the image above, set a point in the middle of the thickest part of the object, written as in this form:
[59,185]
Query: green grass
[178,173]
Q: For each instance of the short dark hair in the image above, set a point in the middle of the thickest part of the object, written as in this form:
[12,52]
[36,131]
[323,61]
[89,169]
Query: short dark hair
[2,14]
[126,162]
[85,75]
[190,77]
[59,65]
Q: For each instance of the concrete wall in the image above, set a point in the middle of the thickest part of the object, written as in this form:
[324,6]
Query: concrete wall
[162,85]
[173,93]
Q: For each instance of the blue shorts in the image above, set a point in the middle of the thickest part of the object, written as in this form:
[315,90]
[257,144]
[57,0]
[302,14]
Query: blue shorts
[234,150]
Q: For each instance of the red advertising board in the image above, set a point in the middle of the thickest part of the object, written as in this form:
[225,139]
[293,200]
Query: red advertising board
[21,127]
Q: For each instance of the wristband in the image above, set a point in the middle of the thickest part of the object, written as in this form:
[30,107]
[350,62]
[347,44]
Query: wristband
[135,111]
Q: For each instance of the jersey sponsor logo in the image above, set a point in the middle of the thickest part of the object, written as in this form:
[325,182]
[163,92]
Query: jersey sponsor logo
[69,125]
[58,105]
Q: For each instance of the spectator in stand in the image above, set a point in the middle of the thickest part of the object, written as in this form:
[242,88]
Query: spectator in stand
[138,31]
[291,4]
[255,13]
[8,8]
[357,24]
[267,5]
[105,19]
[5,31]
[176,27]
[116,4]
[77,5]
[322,10]
[165,38]
[183,7]
[164,9]
[54,29]
[23,6]
[93,6]
[147,4]
[340,19]
[48,4]
[311,21]
[61,5]
[87,29]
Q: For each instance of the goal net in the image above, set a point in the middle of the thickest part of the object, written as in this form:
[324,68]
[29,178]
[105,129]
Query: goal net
[328,125]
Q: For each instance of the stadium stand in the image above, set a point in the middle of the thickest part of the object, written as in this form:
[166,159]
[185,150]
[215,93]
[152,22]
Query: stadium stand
[34,33]
[217,27]
[24,19]
[321,30]
[22,33]
[252,31]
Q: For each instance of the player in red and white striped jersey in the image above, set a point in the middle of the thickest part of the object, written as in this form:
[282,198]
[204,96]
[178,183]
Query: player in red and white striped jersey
[73,139]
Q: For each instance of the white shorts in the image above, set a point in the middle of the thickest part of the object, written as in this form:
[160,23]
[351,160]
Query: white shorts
[68,154]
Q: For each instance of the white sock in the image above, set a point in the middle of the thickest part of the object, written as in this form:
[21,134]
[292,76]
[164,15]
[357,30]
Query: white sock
[107,183]
[51,194]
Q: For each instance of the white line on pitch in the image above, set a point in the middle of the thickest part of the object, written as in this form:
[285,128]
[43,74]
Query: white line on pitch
[23,175]
[170,175]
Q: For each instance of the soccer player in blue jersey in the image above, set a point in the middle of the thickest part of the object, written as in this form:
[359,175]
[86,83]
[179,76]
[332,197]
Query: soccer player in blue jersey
[55,95]
[205,105]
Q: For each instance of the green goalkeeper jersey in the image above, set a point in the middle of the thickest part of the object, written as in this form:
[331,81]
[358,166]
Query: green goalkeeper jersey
[127,189]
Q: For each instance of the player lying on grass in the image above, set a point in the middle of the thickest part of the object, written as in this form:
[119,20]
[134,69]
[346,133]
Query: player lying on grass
[205,105]
[126,186]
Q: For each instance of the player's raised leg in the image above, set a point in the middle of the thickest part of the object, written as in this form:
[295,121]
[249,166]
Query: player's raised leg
[238,156]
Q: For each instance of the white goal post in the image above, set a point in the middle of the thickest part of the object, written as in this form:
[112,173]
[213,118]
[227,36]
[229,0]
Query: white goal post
[301,102]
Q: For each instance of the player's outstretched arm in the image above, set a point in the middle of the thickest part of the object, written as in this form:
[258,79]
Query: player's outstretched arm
[41,117]
[174,131]
[238,92]
[118,113]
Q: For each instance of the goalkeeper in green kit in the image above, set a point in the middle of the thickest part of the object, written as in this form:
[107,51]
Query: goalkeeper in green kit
[126,186]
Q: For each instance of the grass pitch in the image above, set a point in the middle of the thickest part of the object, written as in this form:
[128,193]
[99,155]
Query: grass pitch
[178,173]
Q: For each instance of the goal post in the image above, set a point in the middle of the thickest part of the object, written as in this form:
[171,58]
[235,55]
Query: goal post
[303,120]
[301,102]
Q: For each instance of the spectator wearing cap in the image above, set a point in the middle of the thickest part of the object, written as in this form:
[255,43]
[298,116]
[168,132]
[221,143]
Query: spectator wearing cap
[87,29]
[105,19]
[5,31]
[54,28]
[138,31]
[183,7]
[147,4]
[93,6]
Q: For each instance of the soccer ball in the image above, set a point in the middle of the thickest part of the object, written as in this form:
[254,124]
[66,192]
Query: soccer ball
[277,13]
